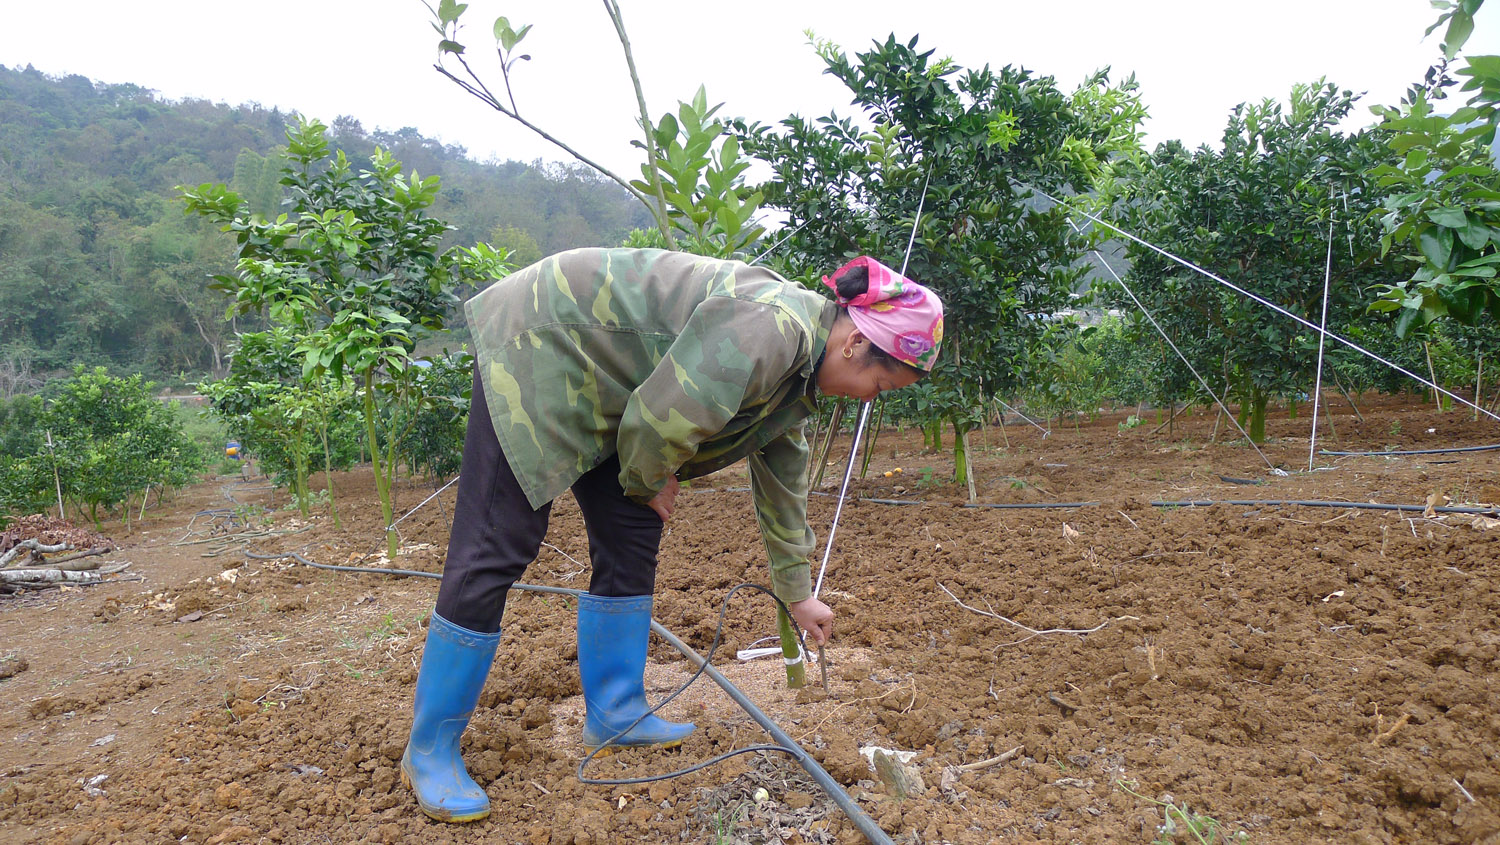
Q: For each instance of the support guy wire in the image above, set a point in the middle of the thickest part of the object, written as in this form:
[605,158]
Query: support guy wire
[1191,368]
[1045,431]
[864,410]
[1312,443]
[1266,302]
[838,509]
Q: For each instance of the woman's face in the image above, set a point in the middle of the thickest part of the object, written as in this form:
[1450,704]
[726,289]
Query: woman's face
[854,375]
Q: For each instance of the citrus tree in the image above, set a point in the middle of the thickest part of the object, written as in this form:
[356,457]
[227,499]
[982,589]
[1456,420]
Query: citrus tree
[280,417]
[1260,212]
[966,147]
[355,272]
[97,442]
[435,426]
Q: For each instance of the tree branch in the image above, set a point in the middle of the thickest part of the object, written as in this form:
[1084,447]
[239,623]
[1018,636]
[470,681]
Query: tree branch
[484,96]
[640,98]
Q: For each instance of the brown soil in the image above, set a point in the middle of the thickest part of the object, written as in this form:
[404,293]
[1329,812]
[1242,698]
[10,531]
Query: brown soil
[1300,674]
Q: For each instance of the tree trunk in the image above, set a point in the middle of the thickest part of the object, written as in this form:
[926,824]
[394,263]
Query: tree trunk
[960,454]
[932,436]
[864,464]
[1258,400]
[55,576]
[1478,389]
[791,651]
[333,507]
[835,418]
[393,544]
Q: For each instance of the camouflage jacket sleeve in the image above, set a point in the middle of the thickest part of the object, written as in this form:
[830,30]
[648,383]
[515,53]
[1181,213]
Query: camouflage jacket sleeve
[730,355]
[778,482]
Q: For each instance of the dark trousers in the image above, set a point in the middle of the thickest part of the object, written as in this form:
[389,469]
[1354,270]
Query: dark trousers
[496,533]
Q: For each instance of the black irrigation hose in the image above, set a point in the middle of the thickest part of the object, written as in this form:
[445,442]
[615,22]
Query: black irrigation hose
[786,745]
[1203,503]
[1313,503]
[1191,503]
[1415,451]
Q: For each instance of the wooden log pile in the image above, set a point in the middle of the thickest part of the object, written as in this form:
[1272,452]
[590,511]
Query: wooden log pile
[25,545]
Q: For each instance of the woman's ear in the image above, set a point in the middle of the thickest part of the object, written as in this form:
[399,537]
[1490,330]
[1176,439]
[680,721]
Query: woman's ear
[855,340]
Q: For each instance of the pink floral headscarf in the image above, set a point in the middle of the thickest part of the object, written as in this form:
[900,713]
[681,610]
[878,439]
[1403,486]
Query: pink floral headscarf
[895,313]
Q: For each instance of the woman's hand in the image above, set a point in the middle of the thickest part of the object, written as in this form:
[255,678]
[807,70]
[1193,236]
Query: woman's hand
[663,501]
[815,617]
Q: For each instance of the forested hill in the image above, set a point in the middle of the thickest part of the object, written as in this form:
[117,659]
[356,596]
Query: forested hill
[99,264]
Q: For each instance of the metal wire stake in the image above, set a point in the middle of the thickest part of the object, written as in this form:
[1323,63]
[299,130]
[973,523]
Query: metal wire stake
[859,430]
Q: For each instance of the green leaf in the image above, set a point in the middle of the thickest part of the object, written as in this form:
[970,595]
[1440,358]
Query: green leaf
[666,130]
[1405,321]
[1473,234]
[1453,218]
[451,47]
[1460,27]
[1436,245]
[450,10]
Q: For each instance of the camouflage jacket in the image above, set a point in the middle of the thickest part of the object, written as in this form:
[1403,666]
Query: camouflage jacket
[680,364]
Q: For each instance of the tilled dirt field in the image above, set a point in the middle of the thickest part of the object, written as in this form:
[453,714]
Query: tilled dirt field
[1299,674]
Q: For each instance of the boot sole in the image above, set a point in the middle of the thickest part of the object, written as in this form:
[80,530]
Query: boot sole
[441,814]
[607,750]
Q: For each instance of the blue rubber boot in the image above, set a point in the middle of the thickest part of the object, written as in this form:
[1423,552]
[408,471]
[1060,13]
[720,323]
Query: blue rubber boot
[612,636]
[455,663]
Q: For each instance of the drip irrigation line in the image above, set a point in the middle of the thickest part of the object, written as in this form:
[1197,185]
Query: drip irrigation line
[1183,503]
[1029,505]
[372,570]
[785,744]
[1263,301]
[1314,503]
[830,786]
[1186,503]
[1416,451]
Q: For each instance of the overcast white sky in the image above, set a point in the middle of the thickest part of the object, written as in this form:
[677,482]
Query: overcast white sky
[372,59]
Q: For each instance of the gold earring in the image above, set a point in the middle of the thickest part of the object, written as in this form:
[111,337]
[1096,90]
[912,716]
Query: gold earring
[848,353]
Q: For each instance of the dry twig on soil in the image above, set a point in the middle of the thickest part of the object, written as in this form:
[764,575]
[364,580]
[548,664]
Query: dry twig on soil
[993,761]
[829,715]
[1066,706]
[1034,632]
[1381,733]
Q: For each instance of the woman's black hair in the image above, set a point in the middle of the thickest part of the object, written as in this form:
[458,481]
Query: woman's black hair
[852,283]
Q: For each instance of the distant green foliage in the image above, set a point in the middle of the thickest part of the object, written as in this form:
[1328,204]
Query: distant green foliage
[98,265]
[965,146]
[111,440]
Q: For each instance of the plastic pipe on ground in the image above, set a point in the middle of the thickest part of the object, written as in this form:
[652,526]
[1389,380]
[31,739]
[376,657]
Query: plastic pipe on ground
[1415,451]
[1312,503]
